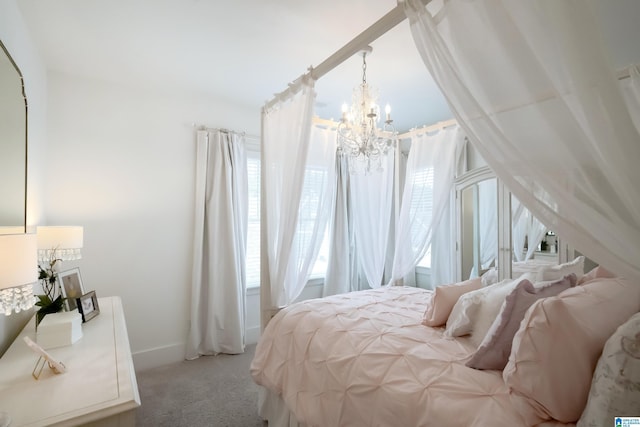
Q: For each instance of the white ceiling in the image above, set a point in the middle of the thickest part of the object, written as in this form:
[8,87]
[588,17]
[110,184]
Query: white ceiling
[244,51]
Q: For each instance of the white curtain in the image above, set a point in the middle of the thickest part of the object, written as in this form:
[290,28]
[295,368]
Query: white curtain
[532,87]
[488,221]
[372,197]
[342,269]
[219,246]
[426,201]
[295,219]
[524,226]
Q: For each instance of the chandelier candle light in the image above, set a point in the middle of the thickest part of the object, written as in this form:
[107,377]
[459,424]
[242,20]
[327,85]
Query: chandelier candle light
[358,134]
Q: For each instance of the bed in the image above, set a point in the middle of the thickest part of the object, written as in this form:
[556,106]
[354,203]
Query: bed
[366,359]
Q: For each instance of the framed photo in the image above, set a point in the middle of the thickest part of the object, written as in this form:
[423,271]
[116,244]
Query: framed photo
[71,285]
[88,306]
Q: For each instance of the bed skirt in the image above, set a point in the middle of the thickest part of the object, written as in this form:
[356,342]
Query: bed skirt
[273,410]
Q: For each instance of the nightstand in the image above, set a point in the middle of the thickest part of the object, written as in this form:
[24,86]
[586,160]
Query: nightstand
[99,387]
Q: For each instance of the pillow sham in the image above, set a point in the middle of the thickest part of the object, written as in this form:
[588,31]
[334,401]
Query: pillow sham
[556,272]
[598,272]
[494,350]
[475,311]
[444,298]
[557,347]
[615,388]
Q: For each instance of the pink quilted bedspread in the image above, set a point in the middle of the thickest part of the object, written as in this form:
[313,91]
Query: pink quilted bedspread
[365,359]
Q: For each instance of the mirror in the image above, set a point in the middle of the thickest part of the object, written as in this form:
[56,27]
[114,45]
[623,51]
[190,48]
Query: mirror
[477,213]
[13,146]
[533,243]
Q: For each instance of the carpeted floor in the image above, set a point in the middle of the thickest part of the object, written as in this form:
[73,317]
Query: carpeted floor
[212,391]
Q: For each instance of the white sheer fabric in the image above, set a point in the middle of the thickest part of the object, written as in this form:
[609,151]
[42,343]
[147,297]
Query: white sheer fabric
[525,228]
[426,201]
[545,112]
[631,92]
[286,131]
[219,246]
[372,197]
[488,222]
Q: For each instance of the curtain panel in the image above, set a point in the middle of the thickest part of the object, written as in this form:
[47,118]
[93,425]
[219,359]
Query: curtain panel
[372,199]
[218,286]
[295,219]
[426,203]
[545,112]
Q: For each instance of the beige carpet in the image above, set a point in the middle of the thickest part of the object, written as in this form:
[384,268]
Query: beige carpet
[212,391]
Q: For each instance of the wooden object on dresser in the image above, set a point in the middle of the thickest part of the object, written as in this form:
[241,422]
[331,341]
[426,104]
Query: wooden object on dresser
[99,387]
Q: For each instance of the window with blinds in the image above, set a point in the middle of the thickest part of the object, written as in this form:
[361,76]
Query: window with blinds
[312,191]
[422,201]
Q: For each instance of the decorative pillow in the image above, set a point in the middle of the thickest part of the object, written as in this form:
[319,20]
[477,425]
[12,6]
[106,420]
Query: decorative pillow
[615,388]
[444,298]
[476,310]
[494,350]
[490,277]
[597,273]
[556,349]
[555,272]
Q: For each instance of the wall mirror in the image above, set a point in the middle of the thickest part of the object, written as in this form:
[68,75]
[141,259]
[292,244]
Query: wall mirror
[13,146]
[533,243]
[477,222]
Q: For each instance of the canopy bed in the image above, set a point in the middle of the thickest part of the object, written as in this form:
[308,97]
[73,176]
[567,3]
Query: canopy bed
[475,352]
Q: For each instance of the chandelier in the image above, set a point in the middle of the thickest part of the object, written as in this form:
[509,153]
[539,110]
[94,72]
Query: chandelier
[359,137]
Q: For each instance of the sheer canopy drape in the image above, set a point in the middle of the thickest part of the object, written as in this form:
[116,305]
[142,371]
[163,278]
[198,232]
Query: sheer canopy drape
[426,201]
[372,197]
[219,246]
[292,155]
[545,112]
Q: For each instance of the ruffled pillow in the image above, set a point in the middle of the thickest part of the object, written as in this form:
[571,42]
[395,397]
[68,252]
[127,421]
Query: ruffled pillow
[494,350]
[556,272]
[475,311]
[444,298]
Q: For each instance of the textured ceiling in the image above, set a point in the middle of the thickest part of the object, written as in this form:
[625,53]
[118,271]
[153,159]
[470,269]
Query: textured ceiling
[246,51]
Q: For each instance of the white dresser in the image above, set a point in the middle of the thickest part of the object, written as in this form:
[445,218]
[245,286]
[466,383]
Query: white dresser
[99,387]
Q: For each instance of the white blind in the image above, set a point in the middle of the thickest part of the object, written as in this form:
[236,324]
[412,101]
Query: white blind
[253,224]
[422,200]
[311,194]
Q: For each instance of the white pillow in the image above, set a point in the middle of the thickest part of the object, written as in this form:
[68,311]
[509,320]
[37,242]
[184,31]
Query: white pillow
[556,272]
[475,311]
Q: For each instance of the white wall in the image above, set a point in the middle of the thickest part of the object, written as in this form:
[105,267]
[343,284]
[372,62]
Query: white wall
[15,37]
[121,164]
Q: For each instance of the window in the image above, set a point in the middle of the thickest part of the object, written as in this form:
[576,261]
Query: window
[253,224]
[311,193]
[422,200]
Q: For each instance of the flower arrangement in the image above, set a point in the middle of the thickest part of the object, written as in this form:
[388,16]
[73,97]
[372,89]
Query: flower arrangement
[51,301]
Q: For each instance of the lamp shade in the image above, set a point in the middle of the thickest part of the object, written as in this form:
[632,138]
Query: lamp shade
[63,241]
[18,271]
[18,260]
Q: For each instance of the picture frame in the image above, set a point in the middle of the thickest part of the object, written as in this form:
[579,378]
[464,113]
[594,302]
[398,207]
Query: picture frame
[88,306]
[70,283]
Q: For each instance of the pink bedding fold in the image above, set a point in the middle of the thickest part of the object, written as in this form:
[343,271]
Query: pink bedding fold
[365,359]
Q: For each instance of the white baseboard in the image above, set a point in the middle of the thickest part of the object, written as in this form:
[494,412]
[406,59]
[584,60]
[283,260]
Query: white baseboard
[159,356]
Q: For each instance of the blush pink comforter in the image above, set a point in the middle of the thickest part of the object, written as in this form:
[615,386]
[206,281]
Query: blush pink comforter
[365,359]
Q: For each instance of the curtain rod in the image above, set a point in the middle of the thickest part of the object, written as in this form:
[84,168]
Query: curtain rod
[377,29]
[246,135]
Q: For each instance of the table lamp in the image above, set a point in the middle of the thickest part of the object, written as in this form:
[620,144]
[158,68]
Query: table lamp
[62,242]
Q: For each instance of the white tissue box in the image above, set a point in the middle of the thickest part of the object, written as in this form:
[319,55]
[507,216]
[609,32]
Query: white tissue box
[59,329]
